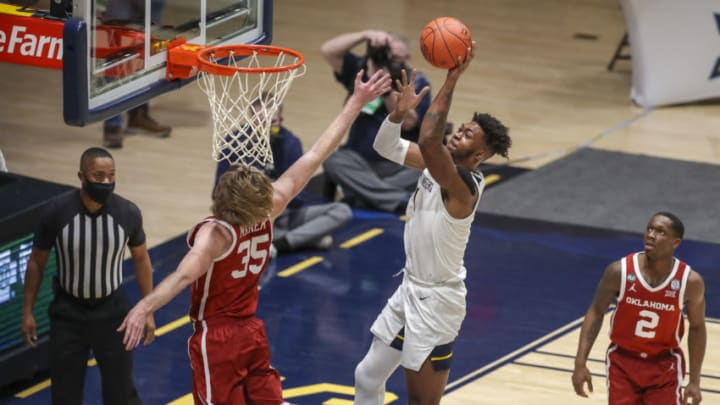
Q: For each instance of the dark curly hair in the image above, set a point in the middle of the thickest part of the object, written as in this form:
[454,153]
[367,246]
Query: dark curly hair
[496,134]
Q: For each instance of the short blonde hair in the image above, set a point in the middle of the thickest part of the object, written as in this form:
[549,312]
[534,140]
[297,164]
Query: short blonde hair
[243,196]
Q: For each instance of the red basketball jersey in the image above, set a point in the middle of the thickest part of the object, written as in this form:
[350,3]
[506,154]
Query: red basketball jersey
[230,287]
[649,319]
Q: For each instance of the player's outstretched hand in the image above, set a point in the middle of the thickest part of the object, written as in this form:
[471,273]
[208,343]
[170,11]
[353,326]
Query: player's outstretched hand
[134,326]
[377,85]
[463,63]
[580,376]
[406,98]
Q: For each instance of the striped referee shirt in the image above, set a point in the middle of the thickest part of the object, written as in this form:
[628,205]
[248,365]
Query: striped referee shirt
[89,247]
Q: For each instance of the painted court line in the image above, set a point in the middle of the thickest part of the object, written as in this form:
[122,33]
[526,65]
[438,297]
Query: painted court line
[361,238]
[294,269]
[171,326]
[92,362]
[511,356]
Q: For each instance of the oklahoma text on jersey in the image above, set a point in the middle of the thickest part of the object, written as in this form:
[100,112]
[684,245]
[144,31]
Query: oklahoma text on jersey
[660,306]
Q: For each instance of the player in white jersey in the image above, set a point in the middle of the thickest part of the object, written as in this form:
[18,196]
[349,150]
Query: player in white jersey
[421,320]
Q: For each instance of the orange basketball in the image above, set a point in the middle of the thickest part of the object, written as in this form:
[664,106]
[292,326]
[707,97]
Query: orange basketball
[444,40]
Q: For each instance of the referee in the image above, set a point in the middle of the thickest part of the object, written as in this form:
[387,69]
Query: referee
[89,230]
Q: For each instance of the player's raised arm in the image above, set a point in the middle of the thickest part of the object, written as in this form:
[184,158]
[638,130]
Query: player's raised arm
[211,241]
[436,155]
[297,176]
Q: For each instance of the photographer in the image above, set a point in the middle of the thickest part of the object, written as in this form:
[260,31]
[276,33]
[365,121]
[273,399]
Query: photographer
[367,180]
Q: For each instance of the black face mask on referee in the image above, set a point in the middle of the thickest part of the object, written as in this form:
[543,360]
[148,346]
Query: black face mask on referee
[98,192]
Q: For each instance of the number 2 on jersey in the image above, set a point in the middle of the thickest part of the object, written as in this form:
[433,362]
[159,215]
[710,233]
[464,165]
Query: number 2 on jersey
[645,327]
[253,259]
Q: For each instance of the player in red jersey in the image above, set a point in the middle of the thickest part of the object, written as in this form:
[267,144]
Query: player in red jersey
[644,362]
[229,352]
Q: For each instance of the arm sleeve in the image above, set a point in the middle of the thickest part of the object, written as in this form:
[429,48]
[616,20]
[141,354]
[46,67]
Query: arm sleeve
[389,144]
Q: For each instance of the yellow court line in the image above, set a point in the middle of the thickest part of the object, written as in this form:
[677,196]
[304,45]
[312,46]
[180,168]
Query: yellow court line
[92,362]
[307,390]
[492,178]
[361,238]
[45,384]
[34,389]
[172,326]
[300,266]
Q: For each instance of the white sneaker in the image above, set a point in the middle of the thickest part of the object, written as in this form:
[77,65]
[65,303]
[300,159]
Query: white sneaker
[326,243]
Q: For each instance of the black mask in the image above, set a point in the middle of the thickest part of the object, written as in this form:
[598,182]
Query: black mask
[98,192]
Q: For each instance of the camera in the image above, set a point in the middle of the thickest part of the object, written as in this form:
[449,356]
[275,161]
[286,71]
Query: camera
[382,58]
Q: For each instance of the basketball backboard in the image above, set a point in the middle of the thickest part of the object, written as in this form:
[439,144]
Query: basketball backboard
[115,51]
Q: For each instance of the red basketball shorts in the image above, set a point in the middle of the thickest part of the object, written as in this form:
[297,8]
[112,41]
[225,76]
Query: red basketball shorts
[637,379]
[230,360]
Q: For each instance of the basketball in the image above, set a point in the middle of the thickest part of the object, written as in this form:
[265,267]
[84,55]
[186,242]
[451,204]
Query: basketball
[444,40]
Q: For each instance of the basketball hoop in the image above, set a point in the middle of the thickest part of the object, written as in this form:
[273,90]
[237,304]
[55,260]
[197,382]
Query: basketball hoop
[245,85]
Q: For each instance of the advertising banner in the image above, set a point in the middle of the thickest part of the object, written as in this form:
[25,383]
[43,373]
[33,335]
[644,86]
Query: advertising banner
[31,41]
[675,49]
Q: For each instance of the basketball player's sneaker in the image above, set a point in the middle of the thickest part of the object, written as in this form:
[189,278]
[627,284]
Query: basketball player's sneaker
[141,123]
[326,243]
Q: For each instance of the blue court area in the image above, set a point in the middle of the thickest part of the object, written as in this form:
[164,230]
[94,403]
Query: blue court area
[525,279]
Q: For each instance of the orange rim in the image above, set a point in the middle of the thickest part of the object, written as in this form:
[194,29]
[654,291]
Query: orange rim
[224,51]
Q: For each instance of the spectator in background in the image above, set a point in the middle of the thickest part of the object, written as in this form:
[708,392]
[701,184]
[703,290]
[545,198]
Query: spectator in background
[139,121]
[366,179]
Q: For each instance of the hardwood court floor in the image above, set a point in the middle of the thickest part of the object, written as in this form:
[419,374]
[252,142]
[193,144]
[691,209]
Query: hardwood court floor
[541,371]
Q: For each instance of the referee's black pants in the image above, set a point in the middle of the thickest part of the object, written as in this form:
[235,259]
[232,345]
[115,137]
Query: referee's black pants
[79,326]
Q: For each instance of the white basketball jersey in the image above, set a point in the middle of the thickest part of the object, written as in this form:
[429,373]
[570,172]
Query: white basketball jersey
[435,242]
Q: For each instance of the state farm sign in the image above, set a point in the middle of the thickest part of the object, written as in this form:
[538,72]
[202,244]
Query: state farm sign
[31,41]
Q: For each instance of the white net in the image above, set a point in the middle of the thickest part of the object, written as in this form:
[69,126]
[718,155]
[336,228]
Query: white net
[244,104]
